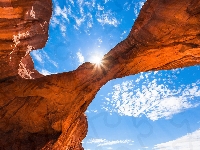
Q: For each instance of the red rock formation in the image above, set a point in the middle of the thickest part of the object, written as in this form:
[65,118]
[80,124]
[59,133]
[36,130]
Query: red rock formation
[47,112]
[23,27]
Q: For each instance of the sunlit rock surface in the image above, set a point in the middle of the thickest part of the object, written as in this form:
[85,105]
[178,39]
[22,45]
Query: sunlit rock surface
[47,112]
[23,27]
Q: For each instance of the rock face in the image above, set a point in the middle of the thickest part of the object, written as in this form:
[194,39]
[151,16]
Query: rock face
[23,27]
[46,112]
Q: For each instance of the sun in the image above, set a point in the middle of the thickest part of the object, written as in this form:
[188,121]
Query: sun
[96,60]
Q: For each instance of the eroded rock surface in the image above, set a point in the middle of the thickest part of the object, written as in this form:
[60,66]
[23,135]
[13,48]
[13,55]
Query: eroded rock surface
[46,112]
[23,27]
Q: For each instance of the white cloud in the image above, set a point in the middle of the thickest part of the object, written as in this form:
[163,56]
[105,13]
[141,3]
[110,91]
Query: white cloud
[99,7]
[95,111]
[60,17]
[152,100]
[89,24]
[61,12]
[80,2]
[91,141]
[71,1]
[90,4]
[54,21]
[93,3]
[141,4]
[92,111]
[145,147]
[79,21]
[127,6]
[80,57]
[138,7]
[104,142]
[63,29]
[106,1]
[45,55]
[89,20]
[124,32]
[107,18]
[100,40]
[37,55]
[136,11]
[41,56]
[190,141]
[79,15]
[45,72]
[140,78]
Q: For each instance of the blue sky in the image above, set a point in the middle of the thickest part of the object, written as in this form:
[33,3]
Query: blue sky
[153,110]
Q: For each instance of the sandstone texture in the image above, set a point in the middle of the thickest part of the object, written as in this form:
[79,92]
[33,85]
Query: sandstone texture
[23,27]
[47,112]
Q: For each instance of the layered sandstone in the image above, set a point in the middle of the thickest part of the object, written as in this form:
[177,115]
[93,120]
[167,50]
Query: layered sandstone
[23,27]
[46,112]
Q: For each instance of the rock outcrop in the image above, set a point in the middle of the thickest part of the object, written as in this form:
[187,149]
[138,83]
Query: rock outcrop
[47,112]
[23,27]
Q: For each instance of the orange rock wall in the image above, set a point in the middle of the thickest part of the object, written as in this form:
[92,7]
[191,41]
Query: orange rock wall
[23,27]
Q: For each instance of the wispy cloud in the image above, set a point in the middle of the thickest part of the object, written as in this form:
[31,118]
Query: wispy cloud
[45,72]
[90,4]
[80,57]
[92,111]
[145,147]
[63,29]
[81,14]
[50,60]
[106,1]
[71,1]
[127,6]
[80,2]
[60,17]
[64,16]
[190,141]
[89,20]
[104,142]
[138,6]
[99,40]
[37,55]
[99,7]
[151,99]
[79,21]
[41,56]
[54,21]
[61,12]
[107,18]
